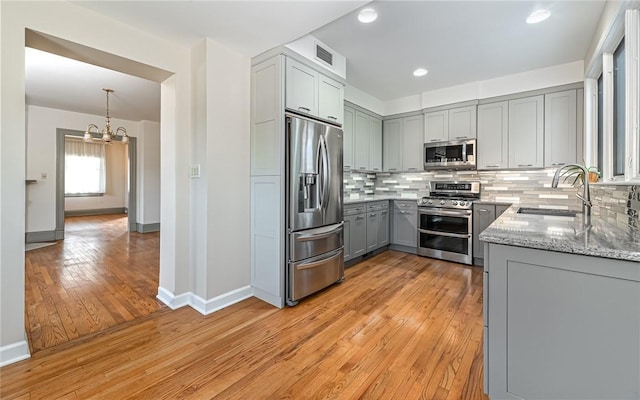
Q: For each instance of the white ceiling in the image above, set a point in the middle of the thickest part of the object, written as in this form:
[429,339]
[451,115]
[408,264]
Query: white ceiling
[458,42]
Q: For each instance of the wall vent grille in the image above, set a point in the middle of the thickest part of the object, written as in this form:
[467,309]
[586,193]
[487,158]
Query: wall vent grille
[324,55]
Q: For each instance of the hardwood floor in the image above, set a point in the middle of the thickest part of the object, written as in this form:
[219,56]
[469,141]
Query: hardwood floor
[399,327]
[98,277]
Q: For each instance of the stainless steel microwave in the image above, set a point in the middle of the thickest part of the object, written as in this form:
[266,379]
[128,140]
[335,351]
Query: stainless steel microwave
[454,154]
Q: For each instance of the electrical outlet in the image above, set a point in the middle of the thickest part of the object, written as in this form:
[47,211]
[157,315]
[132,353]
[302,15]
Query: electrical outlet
[195,171]
[43,176]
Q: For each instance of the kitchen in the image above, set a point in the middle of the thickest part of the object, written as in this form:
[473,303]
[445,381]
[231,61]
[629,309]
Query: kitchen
[481,158]
[505,183]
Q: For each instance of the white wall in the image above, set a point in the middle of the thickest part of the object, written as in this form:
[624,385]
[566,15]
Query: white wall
[531,80]
[363,99]
[228,169]
[79,25]
[116,193]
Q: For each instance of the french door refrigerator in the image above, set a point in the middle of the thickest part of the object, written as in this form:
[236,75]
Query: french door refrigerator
[314,219]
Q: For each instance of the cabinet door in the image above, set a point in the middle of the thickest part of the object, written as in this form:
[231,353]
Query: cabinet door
[358,235]
[392,145]
[301,88]
[372,230]
[483,216]
[348,138]
[405,228]
[375,144]
[361,141]
[383,228]
[347,236]
[436,126]
[560,139]
[462,123]
[412,143]
[493,140]
[526,132]
[331,99]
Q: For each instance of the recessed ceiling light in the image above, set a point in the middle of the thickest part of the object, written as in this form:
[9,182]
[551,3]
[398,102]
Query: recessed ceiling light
[420,72]
[538,16]
[367,15]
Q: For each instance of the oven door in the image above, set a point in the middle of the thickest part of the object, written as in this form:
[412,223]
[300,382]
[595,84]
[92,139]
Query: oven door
[446,234]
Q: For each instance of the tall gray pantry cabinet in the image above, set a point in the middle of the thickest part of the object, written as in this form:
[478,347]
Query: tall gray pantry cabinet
[280,78]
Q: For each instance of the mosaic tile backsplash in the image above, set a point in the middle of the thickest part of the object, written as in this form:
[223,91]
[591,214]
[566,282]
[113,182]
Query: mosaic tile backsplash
[524,187]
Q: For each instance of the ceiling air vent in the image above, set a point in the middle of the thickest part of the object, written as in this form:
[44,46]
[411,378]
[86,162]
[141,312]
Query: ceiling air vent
[324,55]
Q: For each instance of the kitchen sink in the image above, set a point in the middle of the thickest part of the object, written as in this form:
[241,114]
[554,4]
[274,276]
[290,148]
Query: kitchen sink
[546,211]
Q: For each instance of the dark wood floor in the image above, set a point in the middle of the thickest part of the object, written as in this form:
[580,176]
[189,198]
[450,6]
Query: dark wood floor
[98,277]
[398,327]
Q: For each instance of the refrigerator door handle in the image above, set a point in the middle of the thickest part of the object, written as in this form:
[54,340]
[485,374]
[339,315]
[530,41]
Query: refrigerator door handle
[320,233]
[325,171]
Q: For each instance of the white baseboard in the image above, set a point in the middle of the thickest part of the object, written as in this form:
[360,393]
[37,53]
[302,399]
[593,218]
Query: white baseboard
[276,301]
[172,301]
[14,352]
[201,305]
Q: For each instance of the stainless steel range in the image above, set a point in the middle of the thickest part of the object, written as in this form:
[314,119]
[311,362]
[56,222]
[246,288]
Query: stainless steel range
[445,221]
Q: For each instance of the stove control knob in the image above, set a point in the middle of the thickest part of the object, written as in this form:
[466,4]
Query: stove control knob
[430,202]
[463,203]
[455,203]
[442,202]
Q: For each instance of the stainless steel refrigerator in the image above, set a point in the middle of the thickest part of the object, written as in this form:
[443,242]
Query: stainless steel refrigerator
[314,245]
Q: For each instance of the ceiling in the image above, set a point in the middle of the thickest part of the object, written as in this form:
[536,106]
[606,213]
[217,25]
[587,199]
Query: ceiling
[458,42]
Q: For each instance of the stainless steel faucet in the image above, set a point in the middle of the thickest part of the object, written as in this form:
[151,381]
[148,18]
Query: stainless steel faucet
[585,197]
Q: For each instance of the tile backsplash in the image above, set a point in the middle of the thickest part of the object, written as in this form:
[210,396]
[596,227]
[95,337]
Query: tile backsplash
[526,187]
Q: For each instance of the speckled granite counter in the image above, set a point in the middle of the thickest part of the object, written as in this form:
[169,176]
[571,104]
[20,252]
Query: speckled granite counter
[565,234]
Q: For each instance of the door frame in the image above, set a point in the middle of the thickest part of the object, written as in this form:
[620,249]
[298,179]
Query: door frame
[60,167]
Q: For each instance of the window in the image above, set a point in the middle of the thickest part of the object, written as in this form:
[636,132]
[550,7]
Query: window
[600,122]
[84,168]
[618,110]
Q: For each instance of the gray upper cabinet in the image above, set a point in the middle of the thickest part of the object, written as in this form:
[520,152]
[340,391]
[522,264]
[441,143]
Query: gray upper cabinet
[375,144]
[462,123]
[560,128]
[301,88]
[412,143]
[403,140]
[311,92]
[392,145]
[348,138]
[526,132]
[493,125]
[330,99]
[361,141]
[436,126]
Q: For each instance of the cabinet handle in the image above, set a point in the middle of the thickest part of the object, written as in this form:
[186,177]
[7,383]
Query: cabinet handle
[376,169]
[304,109]
[393,169]
[413,169]
[332,117]
[525,165]
[557,164]
[373,214]
[359,218]
[492,166]
[461,137]
[435,140]
[363,167]
[483,210]
[346,166]
[383,212]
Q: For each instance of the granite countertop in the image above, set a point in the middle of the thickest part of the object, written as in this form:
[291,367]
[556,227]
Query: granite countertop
[366,199]
[565,234]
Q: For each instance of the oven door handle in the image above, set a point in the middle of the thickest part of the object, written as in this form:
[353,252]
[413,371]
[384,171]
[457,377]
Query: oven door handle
[464,214]
[455,235]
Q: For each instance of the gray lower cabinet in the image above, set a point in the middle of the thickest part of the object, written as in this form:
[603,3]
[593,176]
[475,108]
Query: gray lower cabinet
[483,215]
[404,230]
[366,228]
[560,326]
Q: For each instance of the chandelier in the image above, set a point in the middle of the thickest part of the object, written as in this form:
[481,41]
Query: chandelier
[107,133]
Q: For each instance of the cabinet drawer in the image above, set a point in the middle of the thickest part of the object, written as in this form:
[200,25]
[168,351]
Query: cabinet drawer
[355,209]
[377,206]
[405,205]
